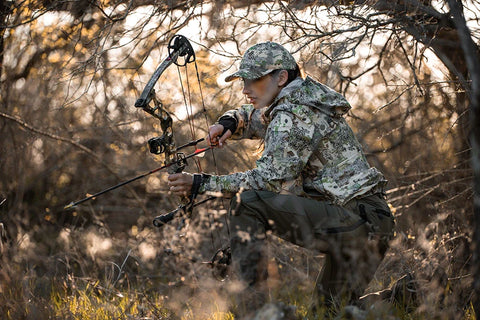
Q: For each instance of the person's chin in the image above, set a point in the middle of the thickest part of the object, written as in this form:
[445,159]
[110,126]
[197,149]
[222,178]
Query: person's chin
[257,105]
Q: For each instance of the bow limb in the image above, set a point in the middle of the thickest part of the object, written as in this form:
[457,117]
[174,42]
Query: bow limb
[178,46]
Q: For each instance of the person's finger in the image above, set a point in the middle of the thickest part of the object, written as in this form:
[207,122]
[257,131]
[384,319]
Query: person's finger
[180,183]
[213,133]
[213,142]
[179,190]
[174,179]
[174,176]
[223,138]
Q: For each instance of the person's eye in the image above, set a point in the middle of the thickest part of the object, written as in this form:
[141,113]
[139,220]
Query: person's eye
[247,82]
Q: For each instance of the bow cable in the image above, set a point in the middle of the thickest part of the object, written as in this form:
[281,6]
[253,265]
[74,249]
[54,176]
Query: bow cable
[190,117]
[204,111]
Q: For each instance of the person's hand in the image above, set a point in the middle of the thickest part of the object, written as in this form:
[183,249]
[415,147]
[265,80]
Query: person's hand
[181,183]
[215,137]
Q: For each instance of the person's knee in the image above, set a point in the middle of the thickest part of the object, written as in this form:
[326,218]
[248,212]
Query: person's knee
[247,202]
[240,199]
[245,219]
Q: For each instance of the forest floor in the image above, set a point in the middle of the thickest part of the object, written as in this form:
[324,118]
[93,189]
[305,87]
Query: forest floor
[89,271]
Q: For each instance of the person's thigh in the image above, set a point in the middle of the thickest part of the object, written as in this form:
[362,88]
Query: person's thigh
[305,222]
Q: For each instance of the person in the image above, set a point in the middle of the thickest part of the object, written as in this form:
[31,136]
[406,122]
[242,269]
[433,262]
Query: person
[311,186]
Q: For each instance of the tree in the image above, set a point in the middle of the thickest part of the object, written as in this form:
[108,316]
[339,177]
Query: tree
[408,67]
[472,61]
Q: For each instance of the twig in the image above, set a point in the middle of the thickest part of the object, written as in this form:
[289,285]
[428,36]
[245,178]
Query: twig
[88,151]
[50,135]
[120,269]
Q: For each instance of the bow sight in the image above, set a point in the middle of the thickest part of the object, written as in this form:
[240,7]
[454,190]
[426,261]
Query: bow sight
[159,145]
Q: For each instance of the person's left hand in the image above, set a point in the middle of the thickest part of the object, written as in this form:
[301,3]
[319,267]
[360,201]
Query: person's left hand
[181,183]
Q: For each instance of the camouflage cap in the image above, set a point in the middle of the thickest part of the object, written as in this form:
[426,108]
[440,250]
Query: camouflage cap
[262,59]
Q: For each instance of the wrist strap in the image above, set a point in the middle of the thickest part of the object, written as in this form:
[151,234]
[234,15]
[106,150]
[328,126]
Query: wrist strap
[197,182]
[228,123]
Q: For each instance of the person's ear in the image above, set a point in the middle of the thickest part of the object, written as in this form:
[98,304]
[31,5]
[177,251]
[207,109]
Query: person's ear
[282,78]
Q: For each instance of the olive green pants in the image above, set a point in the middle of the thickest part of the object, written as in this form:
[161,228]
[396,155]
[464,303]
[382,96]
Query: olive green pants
[353,238]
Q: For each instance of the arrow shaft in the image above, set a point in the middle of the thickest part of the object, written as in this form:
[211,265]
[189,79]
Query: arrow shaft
[197,152]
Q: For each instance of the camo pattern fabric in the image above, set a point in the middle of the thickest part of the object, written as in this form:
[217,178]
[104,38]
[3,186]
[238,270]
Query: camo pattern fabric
[262,59]
[309,150]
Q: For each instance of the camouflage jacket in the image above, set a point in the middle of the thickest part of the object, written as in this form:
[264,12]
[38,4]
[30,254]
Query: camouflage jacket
[309,151]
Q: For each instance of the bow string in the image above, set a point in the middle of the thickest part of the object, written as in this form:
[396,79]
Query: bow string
[175,159]
[179,46]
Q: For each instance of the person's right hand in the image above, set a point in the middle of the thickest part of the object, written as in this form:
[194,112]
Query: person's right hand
[215,137]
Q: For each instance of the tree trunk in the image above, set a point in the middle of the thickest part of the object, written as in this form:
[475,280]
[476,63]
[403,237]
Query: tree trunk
[472,59]
[4,11]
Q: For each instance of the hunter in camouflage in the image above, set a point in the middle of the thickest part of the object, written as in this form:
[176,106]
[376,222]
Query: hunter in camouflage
[310,150]
[312,184]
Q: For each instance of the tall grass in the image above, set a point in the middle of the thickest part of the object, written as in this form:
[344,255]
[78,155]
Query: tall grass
[53,272]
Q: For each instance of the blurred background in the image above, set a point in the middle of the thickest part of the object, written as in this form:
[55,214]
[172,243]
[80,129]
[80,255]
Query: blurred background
[71,72]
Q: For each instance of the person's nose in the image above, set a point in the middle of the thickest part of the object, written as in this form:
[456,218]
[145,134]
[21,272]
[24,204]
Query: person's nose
[246,88]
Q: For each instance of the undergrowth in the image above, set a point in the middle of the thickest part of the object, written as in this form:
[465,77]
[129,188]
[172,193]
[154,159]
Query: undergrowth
[89,272]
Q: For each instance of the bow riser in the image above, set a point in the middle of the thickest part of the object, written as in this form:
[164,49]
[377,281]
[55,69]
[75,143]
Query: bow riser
[178,46]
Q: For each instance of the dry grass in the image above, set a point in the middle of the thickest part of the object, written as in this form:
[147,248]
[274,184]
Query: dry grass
[88,272]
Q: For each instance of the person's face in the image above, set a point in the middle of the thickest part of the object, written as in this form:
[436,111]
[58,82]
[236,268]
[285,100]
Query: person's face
[262,91]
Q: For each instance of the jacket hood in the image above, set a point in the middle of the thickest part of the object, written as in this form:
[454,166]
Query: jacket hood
[313,94]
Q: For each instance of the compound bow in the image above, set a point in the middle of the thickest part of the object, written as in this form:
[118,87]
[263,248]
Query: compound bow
[175,161]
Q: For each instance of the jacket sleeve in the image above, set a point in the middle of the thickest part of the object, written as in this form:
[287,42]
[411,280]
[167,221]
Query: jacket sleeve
[249,122]
[287,150]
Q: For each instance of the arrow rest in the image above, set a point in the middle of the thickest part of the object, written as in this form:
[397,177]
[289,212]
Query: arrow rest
[180,162]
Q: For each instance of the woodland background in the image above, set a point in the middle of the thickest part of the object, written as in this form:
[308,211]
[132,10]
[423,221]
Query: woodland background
[71,72]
